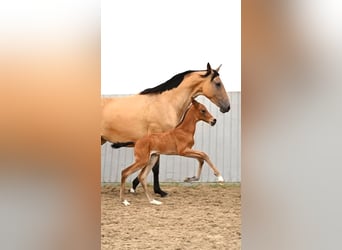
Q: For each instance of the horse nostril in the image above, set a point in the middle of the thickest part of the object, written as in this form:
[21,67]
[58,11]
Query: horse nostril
[226,109]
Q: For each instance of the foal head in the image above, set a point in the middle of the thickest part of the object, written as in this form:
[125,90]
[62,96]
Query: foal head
[201,113]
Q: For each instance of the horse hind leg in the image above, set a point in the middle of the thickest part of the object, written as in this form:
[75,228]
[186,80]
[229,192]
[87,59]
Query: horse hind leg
[135,183]
[142,178]
[156,185]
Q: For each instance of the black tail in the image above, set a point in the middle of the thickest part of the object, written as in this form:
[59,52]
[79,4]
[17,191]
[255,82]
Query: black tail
[123,144]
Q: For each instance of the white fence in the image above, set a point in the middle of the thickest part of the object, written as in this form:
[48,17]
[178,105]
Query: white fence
[221,142]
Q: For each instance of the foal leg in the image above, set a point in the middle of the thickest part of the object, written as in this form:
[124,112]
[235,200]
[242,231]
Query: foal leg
[201,155]
[142,178]
[199,171]
[156,185]
[124,174]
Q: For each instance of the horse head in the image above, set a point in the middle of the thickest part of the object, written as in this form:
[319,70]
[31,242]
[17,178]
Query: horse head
[214,90]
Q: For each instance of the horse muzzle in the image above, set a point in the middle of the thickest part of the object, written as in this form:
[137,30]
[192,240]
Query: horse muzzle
[213,122]
[225,109]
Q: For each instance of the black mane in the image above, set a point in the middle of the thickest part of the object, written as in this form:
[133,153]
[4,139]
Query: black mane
[170,84]
[214,74]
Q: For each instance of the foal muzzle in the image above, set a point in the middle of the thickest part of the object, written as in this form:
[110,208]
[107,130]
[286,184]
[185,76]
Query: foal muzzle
[213,122]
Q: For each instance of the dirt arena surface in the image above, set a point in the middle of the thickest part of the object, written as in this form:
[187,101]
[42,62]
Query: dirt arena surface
[192,216]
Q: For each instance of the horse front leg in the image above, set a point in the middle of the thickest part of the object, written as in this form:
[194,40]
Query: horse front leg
[156,185]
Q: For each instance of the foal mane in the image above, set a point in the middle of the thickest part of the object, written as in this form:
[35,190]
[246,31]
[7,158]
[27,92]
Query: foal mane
[169,84]
[183,117]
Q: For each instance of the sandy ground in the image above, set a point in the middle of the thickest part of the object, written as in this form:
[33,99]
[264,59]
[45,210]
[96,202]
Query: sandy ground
[192,216]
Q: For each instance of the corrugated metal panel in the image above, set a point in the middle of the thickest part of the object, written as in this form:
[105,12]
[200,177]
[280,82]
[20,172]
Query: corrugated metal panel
[221,142]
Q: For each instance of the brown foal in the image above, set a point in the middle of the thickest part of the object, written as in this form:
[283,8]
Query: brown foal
[177,141]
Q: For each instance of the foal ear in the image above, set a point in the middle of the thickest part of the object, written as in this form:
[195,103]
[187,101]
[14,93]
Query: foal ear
[218,68]
[194,102]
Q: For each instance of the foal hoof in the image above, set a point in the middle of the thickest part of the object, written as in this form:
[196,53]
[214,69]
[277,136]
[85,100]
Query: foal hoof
[155,202]
[132,190]
[220,179]
[191,179]
[126,203]
[162,193]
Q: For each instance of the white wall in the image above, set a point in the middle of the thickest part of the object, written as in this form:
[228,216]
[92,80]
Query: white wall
[144,43]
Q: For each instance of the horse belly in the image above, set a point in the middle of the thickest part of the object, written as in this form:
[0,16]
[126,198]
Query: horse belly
[130,118]
[123,121]
[125,132]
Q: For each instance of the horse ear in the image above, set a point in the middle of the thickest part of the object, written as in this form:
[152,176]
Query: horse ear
[208,68]
[218,68]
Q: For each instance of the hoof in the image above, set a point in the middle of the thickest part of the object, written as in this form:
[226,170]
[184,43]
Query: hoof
[162,193]
[132,190]
[191,179]
[220,179]
[155,202]
[126,203]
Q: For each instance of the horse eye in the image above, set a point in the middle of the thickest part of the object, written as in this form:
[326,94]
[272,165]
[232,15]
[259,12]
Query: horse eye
[218,84]
[202,111]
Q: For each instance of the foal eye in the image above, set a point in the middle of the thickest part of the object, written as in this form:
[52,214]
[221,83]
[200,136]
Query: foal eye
[218,84]
[202,111]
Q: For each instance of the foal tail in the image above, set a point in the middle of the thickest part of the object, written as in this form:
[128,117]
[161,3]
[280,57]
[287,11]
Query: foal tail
[123,144]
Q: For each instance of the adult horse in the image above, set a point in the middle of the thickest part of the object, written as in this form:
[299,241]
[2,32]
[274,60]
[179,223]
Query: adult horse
[154,110]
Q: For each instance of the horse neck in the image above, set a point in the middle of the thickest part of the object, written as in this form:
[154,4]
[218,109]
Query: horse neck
[189,123]
[180,97]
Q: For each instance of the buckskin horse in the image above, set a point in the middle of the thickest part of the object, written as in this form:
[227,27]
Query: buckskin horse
[158,109]
[177,141]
